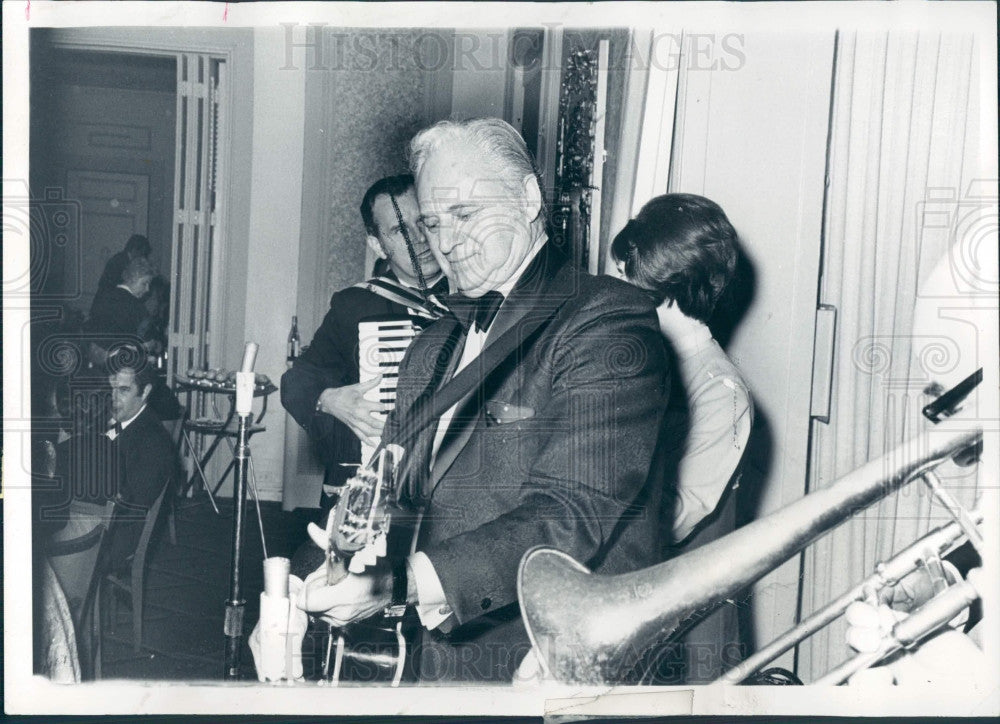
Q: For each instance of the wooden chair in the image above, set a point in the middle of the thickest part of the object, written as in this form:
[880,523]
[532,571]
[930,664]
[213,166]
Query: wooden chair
[175,428]
[134,585]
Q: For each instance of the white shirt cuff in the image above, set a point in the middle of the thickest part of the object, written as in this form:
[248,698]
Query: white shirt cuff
[432,605]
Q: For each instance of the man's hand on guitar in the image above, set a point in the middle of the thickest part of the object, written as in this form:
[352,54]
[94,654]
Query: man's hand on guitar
[348,404]
[354,598]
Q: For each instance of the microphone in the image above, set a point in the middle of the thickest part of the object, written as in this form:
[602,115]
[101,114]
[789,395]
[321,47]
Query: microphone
[249,357]
[245,380]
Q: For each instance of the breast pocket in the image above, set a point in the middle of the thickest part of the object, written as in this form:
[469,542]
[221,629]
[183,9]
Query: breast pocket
[501,412]
[510,441]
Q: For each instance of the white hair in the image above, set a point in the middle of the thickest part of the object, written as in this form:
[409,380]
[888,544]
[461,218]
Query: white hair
[498,141]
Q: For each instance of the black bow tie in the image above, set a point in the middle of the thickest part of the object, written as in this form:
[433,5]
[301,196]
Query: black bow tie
[440,288]
[479,312]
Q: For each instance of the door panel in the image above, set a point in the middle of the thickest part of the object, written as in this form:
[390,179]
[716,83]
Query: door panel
[113,206]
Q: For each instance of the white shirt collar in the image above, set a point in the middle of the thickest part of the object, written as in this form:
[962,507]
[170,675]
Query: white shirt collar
[122,286]
[507,286]
[125,423]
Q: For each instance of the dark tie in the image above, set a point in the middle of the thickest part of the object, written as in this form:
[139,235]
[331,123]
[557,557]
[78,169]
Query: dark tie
[479,312]
[440,289]
[117,428]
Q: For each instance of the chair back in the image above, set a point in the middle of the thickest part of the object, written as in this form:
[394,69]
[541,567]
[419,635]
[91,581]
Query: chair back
[152,515]
[174,427]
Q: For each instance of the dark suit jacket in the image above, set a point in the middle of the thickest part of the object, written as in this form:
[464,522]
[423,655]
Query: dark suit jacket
[146,462]
[332,361]
[559,443]
[116,314]
[112,274]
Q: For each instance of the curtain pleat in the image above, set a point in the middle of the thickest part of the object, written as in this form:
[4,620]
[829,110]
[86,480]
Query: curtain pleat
[901,128]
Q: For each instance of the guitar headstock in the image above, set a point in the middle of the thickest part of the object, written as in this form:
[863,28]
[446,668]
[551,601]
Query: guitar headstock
[359,523]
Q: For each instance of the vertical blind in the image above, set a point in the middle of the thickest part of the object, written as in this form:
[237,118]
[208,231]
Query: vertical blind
[904,134]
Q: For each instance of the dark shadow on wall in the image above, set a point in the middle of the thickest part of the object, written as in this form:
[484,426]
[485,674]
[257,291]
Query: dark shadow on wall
[735,301]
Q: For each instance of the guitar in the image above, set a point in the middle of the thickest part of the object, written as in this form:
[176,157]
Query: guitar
[374,649]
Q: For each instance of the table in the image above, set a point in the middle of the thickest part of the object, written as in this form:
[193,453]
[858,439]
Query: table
[216,429]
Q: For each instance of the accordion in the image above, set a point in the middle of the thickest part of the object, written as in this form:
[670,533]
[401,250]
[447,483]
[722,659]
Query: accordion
[381,346]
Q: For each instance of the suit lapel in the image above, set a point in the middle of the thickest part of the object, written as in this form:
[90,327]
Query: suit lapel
[540,286]
[447,335]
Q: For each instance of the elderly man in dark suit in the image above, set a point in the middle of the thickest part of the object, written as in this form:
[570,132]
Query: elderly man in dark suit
[553,446]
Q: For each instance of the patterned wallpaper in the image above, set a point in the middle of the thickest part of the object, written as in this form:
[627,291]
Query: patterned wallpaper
[375,93]
[362,108]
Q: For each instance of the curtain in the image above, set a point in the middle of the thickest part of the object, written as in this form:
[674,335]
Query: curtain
[904,141]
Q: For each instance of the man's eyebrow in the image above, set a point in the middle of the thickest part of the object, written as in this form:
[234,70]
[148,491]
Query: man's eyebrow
[463,205]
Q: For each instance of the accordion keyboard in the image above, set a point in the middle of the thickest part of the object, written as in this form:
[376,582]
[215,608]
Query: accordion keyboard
[381,346]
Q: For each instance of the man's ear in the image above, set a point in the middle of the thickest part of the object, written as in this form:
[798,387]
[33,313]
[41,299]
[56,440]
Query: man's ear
[146,392]
[532,196]
[376,246]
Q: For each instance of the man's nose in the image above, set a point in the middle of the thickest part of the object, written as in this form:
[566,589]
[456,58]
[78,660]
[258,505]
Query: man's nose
[419,234]
[445,238]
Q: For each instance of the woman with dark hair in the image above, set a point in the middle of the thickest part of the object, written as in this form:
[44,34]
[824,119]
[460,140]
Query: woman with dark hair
[682,249]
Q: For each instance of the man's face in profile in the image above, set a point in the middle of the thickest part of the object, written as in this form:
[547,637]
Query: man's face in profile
[393,242]
[141,287]
[478,230]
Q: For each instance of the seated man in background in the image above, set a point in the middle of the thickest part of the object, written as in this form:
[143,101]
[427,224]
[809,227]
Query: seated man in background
[683,250]
[119,317]
[321,390]
[131,461]
[117,313]
[136,247]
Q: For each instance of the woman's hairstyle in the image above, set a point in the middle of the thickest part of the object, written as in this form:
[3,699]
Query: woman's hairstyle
[682,248]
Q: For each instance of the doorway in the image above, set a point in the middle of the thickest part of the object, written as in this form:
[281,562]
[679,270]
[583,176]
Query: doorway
[132,139]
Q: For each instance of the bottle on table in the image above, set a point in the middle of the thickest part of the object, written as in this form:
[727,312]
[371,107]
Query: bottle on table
[294,341]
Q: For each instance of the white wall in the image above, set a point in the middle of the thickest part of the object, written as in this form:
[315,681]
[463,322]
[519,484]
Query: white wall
[753,139]
[272,242]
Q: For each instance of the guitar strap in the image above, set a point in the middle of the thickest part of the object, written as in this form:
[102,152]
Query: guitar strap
[430,406]
[395,292]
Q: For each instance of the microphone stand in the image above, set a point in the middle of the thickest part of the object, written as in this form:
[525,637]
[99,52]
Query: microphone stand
[233,624]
